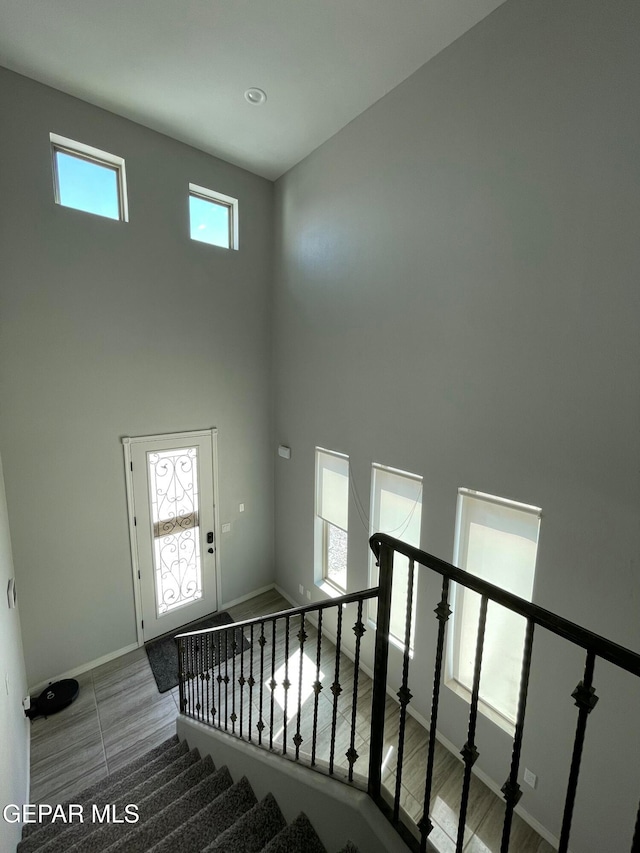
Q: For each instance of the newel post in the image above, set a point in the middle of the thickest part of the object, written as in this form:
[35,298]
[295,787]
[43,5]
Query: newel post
[385,563]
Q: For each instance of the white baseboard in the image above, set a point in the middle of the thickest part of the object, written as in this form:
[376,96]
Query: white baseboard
[286,595]
[249,595]
[85,667]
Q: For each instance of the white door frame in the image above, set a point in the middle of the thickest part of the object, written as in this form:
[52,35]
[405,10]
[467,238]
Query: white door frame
[127,441]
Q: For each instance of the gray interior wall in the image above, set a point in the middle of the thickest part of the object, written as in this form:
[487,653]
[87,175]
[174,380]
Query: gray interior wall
[457,296]
[113,329]
[14,726]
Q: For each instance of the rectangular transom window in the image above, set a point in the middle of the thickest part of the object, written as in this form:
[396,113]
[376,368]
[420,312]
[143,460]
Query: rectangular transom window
[213,217]
[396,509]
[332,516]
[88,179]
[496,540]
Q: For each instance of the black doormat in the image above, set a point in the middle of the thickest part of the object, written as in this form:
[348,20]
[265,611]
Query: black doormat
[163,653]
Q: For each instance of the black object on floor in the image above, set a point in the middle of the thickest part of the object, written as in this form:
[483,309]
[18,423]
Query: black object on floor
[163,653]
[54,698]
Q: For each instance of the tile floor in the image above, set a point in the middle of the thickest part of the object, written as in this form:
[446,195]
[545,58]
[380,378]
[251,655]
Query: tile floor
[119,715]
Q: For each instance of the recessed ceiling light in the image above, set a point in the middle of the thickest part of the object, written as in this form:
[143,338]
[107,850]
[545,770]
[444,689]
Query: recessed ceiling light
[255,97]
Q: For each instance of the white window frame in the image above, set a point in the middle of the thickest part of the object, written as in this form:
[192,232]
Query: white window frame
[321,526]
[97,157]
[452,677]
[376,467]
[222,200]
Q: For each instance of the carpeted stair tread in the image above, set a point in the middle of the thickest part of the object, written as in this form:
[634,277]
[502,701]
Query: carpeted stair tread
[151,805]
[298,837]
[142,761]
[202,828]
[118,796]
[141,838]
[259,825]
[108,790]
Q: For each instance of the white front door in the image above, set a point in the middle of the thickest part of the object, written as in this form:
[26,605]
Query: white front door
[171,480]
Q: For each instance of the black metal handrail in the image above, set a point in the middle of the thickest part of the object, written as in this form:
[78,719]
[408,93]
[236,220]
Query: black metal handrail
[603,648]
[212,691]
[596,646]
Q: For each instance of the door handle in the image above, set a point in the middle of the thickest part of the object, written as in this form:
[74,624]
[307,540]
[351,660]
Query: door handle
[210,537]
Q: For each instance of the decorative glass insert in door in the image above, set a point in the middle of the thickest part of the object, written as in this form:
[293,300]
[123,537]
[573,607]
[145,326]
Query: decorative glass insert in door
[173,487]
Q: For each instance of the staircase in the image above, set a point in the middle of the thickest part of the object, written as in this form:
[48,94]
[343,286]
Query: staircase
[184,805]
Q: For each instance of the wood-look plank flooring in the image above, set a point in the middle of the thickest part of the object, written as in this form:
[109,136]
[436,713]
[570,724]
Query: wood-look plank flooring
[119,715]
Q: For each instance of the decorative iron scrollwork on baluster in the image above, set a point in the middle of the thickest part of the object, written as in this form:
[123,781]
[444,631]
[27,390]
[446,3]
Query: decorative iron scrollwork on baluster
[511,789]
[273,683]
[404,694]
[359,630]
[302,636]
[336,689]
[469,752]
[260,724]
[317,687]
[585,699]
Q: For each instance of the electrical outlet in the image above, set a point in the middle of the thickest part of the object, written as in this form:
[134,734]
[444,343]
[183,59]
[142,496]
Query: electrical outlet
[300,589]
[530,778]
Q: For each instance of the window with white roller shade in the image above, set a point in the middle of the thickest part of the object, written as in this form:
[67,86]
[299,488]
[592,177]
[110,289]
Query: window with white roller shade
[396,509]
[496,540]
[332,516]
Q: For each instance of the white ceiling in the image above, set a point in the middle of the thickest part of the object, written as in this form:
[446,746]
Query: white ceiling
[182,66]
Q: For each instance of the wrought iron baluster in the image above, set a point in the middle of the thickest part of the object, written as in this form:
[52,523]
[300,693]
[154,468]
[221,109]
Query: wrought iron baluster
[442,611]
[404,694]
[286,684]
[317,687]
[241,680]
[226,681]
[358,629]
[511,790]
[469,752]
[233,717]
[190,677]
[260,723]
[380,666]
[201,676]
[251,682]
[585,699]
[198,673]
[180,644]
[302,636]
[207,674]
[336,689]
[189,684]
[219,675]
[273,683]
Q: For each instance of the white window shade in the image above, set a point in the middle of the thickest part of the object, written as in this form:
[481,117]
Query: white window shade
[332,479]
[497,541]
[396,509]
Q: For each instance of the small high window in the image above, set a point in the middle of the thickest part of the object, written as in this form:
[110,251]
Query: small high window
[496,540]
[88,179]
[332,513]
[213,217]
